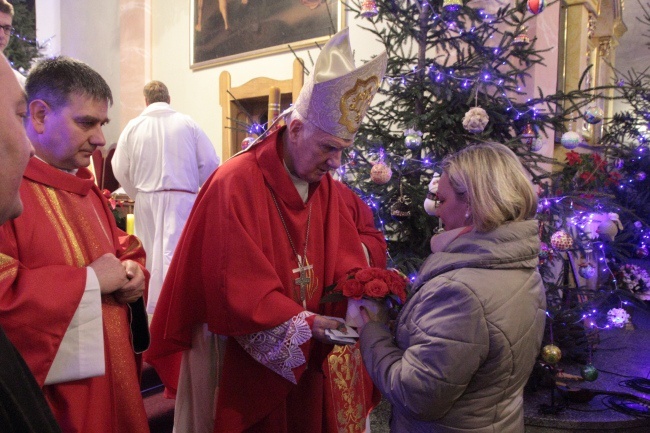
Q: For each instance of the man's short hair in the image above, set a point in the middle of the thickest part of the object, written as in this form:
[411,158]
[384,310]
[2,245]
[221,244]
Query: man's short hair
[6,7]
[156,91]
[56,78]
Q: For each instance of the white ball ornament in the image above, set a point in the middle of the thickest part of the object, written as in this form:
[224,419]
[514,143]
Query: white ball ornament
[570,140]
[537,144]
[380,173]
[586,270]
[431,202]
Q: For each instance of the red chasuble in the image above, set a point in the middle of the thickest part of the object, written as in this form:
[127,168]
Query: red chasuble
[66,225]
[234,269]
[362,215]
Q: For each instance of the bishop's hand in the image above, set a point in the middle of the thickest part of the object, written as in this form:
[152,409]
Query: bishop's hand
[321,323]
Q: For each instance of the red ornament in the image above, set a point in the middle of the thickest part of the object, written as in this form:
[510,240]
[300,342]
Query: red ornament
[536,6]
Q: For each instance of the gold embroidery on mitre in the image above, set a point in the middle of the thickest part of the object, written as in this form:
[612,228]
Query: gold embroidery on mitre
[355,102]
[344,366]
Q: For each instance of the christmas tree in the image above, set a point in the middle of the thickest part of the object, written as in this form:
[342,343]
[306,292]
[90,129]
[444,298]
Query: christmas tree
[23,47]
[457,75]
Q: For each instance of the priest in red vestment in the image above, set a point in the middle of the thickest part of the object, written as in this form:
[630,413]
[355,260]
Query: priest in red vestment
[72,283]
[268,232]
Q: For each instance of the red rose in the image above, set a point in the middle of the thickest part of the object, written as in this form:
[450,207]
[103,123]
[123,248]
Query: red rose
[351,288]
[376,289]
[397,285]
[352,272]
[365,275]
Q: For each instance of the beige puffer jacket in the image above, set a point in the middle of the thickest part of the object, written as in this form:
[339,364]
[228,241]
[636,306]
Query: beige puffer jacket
[467,339]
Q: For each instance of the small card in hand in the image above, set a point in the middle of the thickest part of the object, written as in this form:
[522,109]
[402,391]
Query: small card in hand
[348,337]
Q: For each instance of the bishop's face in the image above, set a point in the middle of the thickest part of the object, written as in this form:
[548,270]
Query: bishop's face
[312,152]
[15,148]
[67,136]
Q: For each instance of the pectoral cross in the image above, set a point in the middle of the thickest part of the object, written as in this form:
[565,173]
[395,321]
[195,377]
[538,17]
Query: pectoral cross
[303,280]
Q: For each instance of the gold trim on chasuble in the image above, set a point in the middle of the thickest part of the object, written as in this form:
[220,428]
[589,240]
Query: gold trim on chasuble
[8,262]
[355,102]
[348,393]
[49,202]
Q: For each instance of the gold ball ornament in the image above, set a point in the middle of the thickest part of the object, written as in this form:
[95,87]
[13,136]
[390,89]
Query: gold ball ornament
[561,240]
[551,354]
[452,5]
[380,173]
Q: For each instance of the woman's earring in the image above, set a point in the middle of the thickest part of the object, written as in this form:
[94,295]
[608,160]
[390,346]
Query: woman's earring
[467,214]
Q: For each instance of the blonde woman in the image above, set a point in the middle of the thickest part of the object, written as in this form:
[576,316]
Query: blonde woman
[467,339]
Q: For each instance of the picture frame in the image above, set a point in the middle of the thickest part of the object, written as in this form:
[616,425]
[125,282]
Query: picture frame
[258,28]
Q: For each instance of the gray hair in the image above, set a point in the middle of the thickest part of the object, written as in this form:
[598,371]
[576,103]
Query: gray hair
[491,179]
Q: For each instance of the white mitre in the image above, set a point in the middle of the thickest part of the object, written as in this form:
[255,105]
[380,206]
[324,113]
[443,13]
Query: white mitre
[337,95]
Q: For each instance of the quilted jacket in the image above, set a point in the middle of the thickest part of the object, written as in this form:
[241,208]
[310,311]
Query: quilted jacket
[466,340]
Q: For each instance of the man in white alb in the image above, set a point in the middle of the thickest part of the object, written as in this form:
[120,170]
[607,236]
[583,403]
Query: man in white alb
[161,160]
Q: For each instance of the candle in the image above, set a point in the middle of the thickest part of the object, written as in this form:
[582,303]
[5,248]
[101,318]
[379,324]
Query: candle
[274,104]
[130,223]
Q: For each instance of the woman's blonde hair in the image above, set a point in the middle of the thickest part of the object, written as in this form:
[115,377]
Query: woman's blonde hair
[491,179]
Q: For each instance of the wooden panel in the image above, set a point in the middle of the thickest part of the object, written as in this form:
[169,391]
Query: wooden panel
[243,105]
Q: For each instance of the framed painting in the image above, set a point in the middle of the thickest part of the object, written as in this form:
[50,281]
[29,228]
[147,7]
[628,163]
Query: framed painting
[225,31]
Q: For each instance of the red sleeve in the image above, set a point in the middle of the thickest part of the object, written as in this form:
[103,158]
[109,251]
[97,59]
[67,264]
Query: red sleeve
[364,220]
[35,321]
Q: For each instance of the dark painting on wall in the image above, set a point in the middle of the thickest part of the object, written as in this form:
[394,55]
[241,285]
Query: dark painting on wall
[225,31]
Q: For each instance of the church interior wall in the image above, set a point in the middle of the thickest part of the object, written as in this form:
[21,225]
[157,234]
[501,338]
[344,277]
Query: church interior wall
[91,31]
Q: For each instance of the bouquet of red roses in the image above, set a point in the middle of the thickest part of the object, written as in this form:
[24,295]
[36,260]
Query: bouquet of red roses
[380,286]
[373,283]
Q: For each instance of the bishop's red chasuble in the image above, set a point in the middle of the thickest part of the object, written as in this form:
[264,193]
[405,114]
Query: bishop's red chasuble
[66,225]
[235,269]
